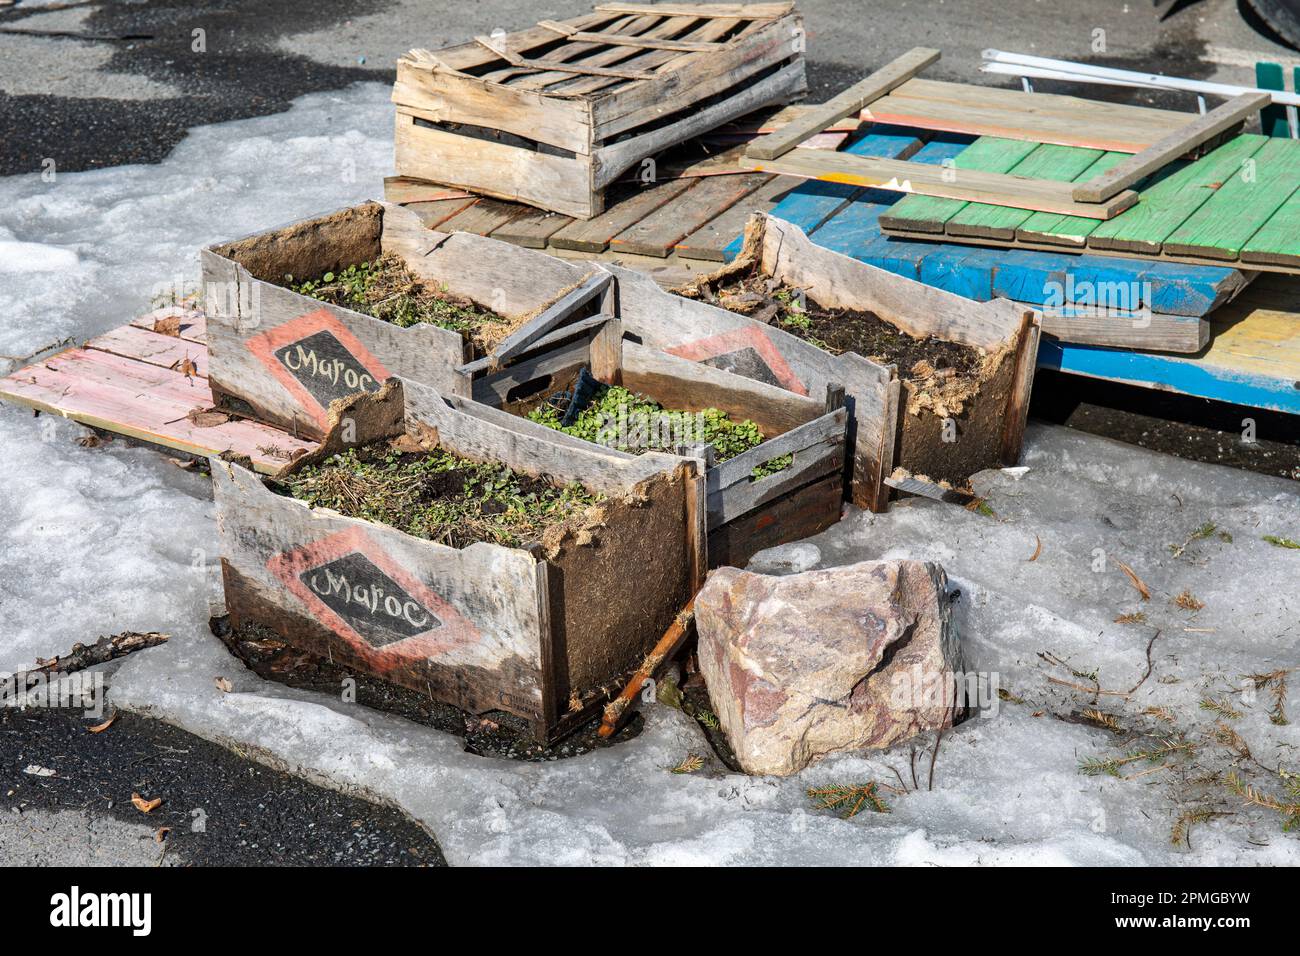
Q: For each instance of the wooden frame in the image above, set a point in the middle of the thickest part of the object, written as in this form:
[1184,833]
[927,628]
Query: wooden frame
[545,632]
[883,97]
[989,429]
[718,339]
[739,512]
[554,114]
[259,331]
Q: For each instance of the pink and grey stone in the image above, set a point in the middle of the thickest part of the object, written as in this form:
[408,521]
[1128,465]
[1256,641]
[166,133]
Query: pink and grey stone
[803,665]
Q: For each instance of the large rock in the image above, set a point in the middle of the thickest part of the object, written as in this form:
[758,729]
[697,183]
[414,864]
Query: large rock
[799,666]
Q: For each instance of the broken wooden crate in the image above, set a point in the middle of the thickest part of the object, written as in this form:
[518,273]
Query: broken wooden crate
[554,114]
[945,437]
[744,513]
[725,342]
[282,357]
[543,631]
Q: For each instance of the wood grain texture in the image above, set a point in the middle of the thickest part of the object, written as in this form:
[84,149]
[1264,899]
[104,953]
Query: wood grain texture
[972,186]
[1170,147]
[852,100]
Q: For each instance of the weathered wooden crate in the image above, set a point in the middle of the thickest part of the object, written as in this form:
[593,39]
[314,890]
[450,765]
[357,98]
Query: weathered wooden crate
[731,343]
[543,632]
[554,114]
[743,514]
[988,430]
[283,357]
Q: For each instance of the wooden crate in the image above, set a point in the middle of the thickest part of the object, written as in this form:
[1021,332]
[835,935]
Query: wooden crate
[283,357]
[543,632]
[554,114]
[743,514]
[989,429]
[731,343]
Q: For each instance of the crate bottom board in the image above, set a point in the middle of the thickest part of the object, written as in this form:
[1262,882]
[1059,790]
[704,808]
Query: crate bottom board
[796,515]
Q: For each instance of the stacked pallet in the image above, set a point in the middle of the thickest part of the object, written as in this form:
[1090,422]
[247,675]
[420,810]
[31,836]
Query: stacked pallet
[554,115]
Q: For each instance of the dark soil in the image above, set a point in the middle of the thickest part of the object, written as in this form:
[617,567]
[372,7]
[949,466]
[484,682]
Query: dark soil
[494,734]
[844,330]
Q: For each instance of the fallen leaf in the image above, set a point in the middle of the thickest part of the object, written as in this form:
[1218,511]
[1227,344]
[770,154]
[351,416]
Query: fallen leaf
[161,834]
[187,367]
[223,685]
[145,806]
[100,728]
[207,417]
[1142,589]
[170,325]
[38,771]
[1038,548]
[185,463]
[90,441]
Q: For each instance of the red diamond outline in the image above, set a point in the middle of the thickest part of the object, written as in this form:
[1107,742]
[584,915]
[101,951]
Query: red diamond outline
[750,336]
[456,630]
[263,346]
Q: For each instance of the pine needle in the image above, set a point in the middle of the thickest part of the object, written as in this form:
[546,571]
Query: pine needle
[1219,707]
[848,798]
[1188,602]
[690,763]
[1137,582]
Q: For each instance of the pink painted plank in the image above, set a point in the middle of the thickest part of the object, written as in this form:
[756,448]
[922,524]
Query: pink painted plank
[72,386]
[193,322]
[134,342]
[141,379]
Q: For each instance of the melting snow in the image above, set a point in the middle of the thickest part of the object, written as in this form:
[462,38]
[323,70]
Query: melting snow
[100,540]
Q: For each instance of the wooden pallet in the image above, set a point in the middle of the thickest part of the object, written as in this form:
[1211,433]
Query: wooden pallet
[555,114]
[1253,357]
[1102,195]
[1238,205]
[130,382]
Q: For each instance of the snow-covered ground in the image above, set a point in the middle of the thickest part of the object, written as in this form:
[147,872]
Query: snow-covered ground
[100,540]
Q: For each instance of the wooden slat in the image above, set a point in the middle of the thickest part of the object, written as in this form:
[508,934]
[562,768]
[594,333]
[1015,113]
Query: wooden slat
[1063,163]
[194,324]
[1241,206]
[1072,231]
[929,213]
[649,26]
[1278,241]
[659,232]
[532,228]
[617,39]
[1164,205]
[482,218]
[1177,144]
[901,176]
[743,11]
[559,66]
[711,240]
[1013,114]
[143,402]
[403,190]
[152,348]
[550,317]
[850,101]
[434,214]
[593,235]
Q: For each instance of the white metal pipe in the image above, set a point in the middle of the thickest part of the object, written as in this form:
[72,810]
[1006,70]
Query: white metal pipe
[1085,72]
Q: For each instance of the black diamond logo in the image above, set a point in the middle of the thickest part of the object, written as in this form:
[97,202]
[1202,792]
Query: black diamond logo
[326,368]
[371,602]
[746,362]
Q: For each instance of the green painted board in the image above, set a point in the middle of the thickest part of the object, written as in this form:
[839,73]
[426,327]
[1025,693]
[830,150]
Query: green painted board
[1072,231]
[1062,163]
[1242,205]
[1164,206]
[988,154]
[1278,241]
